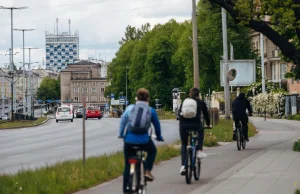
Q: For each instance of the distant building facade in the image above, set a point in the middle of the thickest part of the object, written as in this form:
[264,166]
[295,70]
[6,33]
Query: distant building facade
[84,78]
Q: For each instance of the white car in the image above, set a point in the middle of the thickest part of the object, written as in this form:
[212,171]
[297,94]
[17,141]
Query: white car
[64,113]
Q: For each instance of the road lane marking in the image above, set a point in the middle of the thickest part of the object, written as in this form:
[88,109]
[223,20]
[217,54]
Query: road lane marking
[93,141]
[60,147]
[17,156]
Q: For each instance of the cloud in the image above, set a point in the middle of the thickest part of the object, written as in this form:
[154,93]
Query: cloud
[101,23]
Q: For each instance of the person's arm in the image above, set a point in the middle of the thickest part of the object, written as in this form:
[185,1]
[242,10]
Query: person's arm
[156,123]
[205,113]
[249,107]
[123,123]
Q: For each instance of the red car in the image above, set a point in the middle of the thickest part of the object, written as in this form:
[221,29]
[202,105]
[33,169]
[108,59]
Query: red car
[93,112]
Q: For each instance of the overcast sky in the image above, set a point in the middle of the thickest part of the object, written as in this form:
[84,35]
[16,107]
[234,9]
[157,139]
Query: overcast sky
[101,23]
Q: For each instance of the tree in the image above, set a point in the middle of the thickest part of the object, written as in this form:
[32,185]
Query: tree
[49,89]
[282,26]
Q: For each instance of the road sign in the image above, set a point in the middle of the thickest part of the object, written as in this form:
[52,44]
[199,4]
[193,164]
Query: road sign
[122,101]
[112,96]
[127,102]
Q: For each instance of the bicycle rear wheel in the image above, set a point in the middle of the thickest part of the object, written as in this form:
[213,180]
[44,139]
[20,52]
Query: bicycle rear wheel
[238,138]
[133,182]
[188,166]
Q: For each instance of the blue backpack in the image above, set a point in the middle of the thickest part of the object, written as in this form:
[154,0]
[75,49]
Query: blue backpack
[140,118]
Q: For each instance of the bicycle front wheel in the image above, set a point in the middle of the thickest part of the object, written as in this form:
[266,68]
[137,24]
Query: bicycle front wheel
[188,166]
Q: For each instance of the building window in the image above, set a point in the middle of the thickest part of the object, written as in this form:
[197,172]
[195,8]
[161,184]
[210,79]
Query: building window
[273,71]
[84,90]
[283,70]
[94,98]
[76,89]
[102,89]
[94,90]
[76,98]
[84,83]
[94,83]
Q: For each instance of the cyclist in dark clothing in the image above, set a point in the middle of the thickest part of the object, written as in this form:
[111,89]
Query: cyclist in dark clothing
[239,106]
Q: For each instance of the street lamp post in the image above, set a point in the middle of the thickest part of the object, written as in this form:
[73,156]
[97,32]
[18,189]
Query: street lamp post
[12,51]
[29,80]
[24,82]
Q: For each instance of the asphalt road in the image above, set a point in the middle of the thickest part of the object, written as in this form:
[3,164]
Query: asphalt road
[52,142]
[222,162]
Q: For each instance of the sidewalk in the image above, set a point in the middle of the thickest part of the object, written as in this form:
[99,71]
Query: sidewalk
[267,166]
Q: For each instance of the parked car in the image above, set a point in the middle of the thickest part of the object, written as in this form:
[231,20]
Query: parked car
[79,113]
[93,112]
[6,106]
[4,117]
[64,113]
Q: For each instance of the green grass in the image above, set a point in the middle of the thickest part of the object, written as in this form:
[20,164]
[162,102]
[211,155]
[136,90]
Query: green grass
[164,115]
[71,176]
[21,123]
[294,117]
[297,146]
[223,131]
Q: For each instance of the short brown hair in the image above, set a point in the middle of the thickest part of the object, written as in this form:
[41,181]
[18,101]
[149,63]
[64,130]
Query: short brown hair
[142,94]
[194,93]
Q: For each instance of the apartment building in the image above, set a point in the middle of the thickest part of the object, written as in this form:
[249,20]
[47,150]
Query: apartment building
[84,78]
[275,66]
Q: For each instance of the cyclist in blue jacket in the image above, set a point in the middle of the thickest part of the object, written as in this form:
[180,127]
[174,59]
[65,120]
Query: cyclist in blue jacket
[142,140]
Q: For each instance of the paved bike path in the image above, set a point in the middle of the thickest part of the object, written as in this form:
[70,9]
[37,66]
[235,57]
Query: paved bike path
[267,166]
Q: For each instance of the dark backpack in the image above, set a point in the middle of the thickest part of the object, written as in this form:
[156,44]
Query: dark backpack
[140,118]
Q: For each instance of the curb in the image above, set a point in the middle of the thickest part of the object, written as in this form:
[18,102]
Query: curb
[27,126]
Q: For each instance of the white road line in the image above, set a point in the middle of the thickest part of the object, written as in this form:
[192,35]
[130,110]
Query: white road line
[60,147]
[17,156]
[93,141]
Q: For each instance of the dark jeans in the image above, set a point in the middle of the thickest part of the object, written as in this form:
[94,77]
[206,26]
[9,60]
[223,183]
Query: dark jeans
[244,122]
[184,134]
[129,152]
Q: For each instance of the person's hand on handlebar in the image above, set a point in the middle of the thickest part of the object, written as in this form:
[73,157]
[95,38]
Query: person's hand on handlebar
[160,139]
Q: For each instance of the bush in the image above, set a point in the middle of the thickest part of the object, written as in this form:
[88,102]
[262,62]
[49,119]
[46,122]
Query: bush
[210,140]
[297,146]
[294,117]
[297,192]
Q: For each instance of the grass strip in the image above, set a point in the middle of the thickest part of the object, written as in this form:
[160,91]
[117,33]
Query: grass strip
[71,176]
[296,147]
[21,123]
[165,115]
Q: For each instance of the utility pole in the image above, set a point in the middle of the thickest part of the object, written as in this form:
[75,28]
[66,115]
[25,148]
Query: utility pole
[2,91]
[262,63]
[225,65]
[12,58]
[126,88]
[195,46]
[29,82]
[24,82]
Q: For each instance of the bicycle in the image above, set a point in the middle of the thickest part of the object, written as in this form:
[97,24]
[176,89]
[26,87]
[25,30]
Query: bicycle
[137,182]
[240,138]
[192,163]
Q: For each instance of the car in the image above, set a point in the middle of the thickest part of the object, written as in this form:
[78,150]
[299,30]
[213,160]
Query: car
[70,106]
[4,117]
[79,113]
[6,106]
[64,113]
[93,112]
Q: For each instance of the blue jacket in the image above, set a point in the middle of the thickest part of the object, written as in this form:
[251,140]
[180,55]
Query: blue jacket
[138,138]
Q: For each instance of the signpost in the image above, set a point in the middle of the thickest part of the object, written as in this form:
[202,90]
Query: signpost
[83,128]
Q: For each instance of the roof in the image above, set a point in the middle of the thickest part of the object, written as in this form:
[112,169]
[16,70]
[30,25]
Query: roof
[83,62]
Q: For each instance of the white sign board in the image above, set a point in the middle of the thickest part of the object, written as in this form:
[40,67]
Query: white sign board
[114,102]
[246,72]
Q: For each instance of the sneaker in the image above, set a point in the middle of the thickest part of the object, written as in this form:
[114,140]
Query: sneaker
[148,176]
[201,154]
[182,170]
[247,140]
